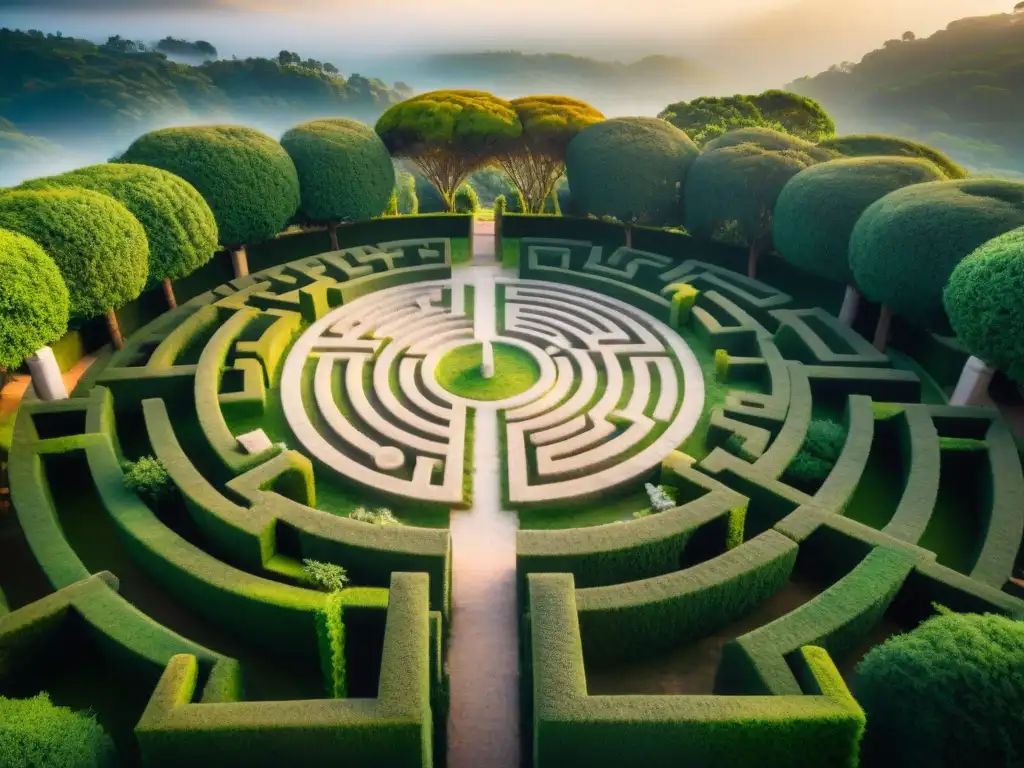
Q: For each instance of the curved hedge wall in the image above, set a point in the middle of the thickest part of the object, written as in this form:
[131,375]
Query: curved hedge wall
[630,167]
[246,177]
[879,145]
[344,169]
[906,245]
[818,209]
[984,299]
[34,302]
[180,227]
[100,248]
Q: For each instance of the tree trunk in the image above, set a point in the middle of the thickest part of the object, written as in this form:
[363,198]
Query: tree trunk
[629,237]
[882,329]
[172,301]
[851,303]
[47,380]
[972,388]
[332,228]
[752,259]
[240,261]
[115,329]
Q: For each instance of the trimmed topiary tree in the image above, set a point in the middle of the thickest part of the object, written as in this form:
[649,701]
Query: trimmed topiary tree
[535,160]
[819,207]
[878,145]
[906,245]
[630,168]
[799,115]
[984,300]
[771,140]
[246,178]
[345,171]
[180,227]
[948,694]
[466,200]
[34,311]
[734,189]
[99,247]
[448,135]
[36,733]
[408,201]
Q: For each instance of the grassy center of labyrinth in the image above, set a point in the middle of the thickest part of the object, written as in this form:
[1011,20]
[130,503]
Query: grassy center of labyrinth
[515,371]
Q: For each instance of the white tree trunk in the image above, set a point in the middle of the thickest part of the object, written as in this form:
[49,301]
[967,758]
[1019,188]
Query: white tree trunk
[240,261]
[47,380]
[972,388]
[883,328]
[851,303]
[487,365]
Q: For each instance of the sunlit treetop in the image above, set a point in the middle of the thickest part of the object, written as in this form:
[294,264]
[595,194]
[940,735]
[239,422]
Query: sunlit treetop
[877,145]
[773,141]
[457,118]
[554,118]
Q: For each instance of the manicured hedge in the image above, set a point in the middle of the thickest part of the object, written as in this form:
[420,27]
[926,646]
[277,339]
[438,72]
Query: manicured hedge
[570,728]
[33,300]
[770,140]
[836,620]
[344,169]
[180,227]
[878,145]
[35,732]
[395,728]
[905,246]
[637,619]
[245,176]
[982,299]
[631,168]
[100,248]
[818,209]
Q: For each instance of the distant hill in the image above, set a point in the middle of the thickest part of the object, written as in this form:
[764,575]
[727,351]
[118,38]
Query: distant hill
[62,87]
[616,87]
[961,90]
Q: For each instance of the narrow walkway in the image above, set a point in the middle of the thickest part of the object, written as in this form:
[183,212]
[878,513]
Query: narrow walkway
[483,653]
[15,388]
[484,251]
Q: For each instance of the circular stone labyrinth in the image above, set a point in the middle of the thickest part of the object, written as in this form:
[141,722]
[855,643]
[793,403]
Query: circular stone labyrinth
[594,393]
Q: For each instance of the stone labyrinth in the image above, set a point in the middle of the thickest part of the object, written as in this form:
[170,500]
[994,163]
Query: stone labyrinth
[617,390]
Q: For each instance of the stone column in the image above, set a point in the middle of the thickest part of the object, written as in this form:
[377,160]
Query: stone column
[240,261]
[47,380]
[972,388]
[487,366]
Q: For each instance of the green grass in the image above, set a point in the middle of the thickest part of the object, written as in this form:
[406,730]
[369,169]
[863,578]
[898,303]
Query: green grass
[510,252]
[7,428]
[584,515]
[460,250]
[515,371]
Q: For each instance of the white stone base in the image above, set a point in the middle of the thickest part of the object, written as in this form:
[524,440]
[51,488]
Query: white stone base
[487,365]
[47,380]
[972,388]
[255,441]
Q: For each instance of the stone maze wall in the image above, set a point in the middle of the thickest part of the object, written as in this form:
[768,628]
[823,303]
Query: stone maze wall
[343,350]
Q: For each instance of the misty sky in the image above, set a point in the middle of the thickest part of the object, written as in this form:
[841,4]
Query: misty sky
[772,40]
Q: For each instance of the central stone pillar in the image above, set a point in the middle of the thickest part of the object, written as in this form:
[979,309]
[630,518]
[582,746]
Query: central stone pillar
[487,365]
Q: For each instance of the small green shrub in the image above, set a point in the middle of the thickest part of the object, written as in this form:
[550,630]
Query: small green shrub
[330,631]
[34,733]
[466,200]
[822,447]
[379,516]
[500,205]
[148,478]
[721,365]
[327,576]
[737,446]
[392,209]
[949,693]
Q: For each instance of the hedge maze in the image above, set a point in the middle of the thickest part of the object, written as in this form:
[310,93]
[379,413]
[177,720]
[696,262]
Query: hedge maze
[734,620]
[822,501]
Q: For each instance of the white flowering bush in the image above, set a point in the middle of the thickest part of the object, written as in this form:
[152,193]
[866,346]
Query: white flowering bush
[379,516]
[660,500]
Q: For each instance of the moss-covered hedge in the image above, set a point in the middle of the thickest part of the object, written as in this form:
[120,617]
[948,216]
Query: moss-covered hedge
[35,733]
[246,177]
[879,145]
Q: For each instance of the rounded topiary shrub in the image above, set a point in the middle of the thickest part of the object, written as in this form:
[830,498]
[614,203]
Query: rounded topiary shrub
[984,300]
[631,168]
[774,141]
[99,247]
[34,733]
[344,169]
[879,145]
[819,207]
[905,246]
[946,695]
[246,177]
[466,200]
[821,448]
[180,227]
[34,302]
